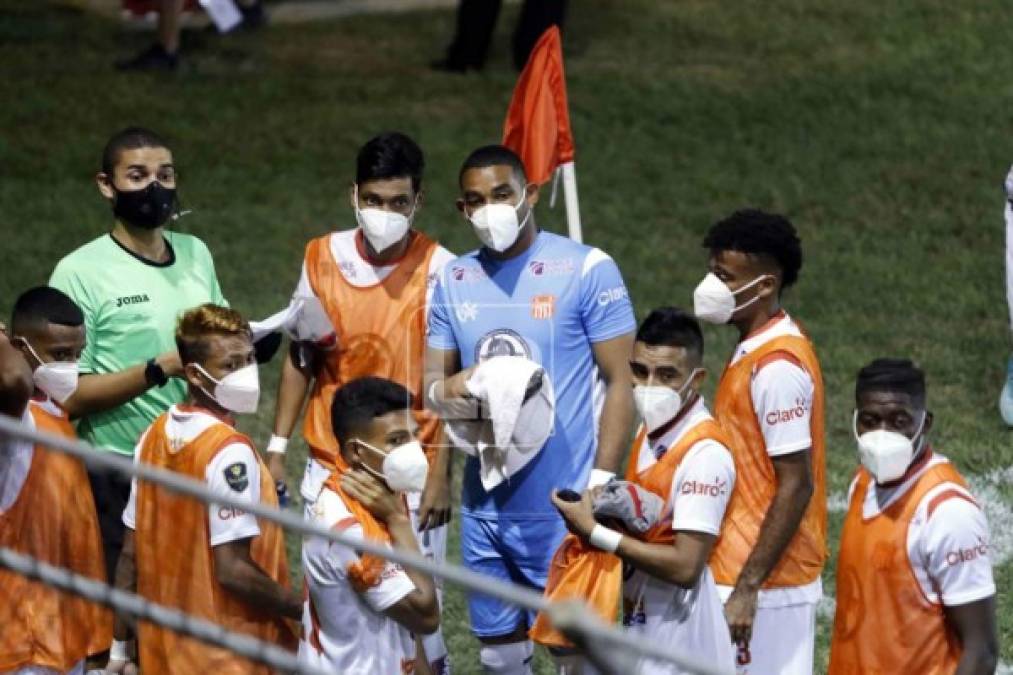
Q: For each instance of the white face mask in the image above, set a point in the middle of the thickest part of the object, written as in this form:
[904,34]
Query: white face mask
[404,468]
[713,301]
[659,405]
[382,228]
[886,454]
[496,225]
[238,391]
[57,379]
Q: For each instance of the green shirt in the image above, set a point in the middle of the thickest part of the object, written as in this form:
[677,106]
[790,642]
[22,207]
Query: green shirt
[130,308]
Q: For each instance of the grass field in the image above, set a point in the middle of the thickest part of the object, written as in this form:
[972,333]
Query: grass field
[881,129]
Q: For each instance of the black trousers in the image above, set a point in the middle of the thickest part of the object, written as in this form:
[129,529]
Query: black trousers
[111,491]
[476,20]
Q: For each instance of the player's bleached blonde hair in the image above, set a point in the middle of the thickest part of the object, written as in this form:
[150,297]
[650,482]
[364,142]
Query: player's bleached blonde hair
[198,324]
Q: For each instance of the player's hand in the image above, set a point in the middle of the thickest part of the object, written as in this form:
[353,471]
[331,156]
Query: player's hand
[434,506]
[579,516]
[740,610]
[380,500]
[170,363]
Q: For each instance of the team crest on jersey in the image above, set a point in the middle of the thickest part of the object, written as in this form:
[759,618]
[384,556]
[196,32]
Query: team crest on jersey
[543,306]
[551,268]
[501,342]
[236,476]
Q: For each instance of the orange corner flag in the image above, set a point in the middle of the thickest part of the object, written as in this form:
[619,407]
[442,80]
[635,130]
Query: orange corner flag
[537,124]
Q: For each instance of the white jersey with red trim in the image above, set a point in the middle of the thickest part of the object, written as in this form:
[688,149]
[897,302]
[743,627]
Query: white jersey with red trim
[225,523]
[688,619]
[947,540]
[344,631]
[782,393]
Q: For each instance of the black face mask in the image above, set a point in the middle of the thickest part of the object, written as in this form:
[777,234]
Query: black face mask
[148,208]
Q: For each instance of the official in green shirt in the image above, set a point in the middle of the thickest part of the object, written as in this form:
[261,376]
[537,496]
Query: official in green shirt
[132,284]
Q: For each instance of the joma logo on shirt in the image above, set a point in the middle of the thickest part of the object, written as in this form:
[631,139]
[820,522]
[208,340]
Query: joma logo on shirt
[696,487]
[132,299]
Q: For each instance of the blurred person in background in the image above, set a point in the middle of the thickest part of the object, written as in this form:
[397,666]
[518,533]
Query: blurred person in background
[131,283]
[476,20]
[164,54]
[46,508]
[1006,397]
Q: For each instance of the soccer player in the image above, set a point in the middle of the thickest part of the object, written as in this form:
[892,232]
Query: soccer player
[680,454]
[215,562]
[46,508]
[362,610]
[564,305]
[772,547]
[374,282]
[914,579]
[131,283]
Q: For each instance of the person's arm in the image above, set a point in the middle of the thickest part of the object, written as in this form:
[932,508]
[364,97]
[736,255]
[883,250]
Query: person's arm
[680,563]
[293,385]
[16,383]
[238,574]
[975,626]
[793,475]
[418,610]
[613,359]
[96,393]
[434,505]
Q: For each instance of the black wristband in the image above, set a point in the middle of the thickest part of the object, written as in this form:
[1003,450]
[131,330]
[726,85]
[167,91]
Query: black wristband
[154,374]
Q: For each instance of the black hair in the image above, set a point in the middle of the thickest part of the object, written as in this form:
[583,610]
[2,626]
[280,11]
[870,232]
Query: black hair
[130,138]
[390,155]
[672,327]
[759,233]
[494,155]
[893,375]
[360,401]
[41,305]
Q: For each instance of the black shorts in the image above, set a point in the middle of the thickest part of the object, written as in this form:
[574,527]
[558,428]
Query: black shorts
[111,491]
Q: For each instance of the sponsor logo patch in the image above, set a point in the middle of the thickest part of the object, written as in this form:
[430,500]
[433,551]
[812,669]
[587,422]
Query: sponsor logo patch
[964,555]
[611,295]
[468,275]
[466,311]
[696,487]
[236,476]
[558,267]
[775,417]
[501,342]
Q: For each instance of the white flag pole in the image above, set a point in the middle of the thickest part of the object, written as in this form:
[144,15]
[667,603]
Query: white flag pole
[572,205]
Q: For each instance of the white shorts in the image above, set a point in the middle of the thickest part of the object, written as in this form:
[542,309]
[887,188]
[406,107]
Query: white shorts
[783,642]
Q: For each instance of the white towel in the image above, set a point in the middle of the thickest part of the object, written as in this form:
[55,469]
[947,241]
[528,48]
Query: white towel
[516,430]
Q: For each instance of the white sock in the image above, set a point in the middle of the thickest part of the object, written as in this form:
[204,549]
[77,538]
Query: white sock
[436,653]
[513,658]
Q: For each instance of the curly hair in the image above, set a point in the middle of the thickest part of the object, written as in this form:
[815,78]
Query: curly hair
[759,233]
[200,323]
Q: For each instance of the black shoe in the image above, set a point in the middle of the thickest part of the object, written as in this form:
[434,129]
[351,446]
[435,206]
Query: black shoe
[254,16]
[153,58]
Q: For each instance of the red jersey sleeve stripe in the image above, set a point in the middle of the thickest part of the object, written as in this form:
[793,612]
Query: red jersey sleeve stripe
[945,495]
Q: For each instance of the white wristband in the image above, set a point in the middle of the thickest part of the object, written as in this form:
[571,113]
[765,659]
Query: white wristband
[277,444]
[599,477]
[119,650]
[604,538]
